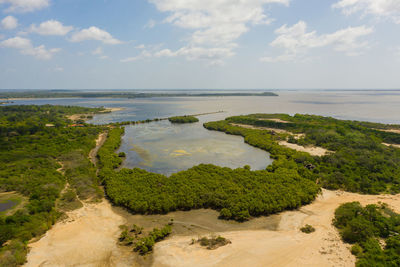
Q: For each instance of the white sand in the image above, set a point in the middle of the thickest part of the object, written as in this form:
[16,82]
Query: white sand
[87,238]
[312,150]
[275,120]
[286,247]
[393,145]
[259,128]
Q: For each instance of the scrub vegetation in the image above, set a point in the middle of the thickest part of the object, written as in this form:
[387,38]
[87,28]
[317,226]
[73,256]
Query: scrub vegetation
[33,140]
[183,119]
[212,242]
[141,242]
[374,231]
[359,161]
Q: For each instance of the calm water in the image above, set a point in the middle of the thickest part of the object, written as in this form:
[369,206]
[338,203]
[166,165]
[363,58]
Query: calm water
[7,205]
[166,148]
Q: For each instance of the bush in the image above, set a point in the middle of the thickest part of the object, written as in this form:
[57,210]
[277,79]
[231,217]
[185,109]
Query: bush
[308,229]
[213,242]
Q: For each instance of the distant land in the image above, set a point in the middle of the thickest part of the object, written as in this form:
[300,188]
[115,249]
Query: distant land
[66,94]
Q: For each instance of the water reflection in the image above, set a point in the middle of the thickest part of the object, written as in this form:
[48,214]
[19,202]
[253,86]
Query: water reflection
[162,147]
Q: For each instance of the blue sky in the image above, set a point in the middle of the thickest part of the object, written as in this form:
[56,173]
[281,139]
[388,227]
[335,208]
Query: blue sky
[205,44]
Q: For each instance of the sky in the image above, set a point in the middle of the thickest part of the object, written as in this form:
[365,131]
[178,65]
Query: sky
[199,44]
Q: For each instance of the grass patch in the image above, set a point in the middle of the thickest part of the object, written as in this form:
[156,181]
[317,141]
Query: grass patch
[69,201]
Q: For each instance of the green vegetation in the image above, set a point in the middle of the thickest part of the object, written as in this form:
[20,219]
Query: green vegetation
[374,231]
[143,243]
[360,162]
[308,229]
[237,194]
[30,153]
[183,119]
[213,242]
[146,244]
[69,201]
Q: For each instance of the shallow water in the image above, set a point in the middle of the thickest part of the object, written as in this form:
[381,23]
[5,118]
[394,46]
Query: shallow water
[7,205]
[167,148]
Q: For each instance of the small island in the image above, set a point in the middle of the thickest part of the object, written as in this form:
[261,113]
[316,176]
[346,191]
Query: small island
[183,119]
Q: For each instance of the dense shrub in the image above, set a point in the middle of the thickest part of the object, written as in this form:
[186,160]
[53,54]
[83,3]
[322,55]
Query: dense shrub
[183,119]
[365,227]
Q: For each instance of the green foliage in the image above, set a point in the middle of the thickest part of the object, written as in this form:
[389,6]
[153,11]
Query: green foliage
[364,226]
[145,244]
[29,155]
[308,229]
[108,160]
[183,119]
[360,162]
[212,242]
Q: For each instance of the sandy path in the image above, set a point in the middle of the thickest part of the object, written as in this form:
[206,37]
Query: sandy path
[87,238]
[99,142]
[285,247]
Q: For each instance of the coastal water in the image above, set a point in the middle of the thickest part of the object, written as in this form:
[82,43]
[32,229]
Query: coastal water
[166,148]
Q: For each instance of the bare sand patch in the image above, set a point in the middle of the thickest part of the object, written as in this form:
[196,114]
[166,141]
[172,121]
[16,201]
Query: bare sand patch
[87,238]
[393,145]
[275,120]
[112,110]
[286,247]
[312,150]
[76,117]
[260,128]
[390,130]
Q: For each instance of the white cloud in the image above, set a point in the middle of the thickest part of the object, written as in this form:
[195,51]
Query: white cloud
[380,8]
[94,33]
[50,27]
[22,6]
[215,24]
[58,69]
[9,23]
[144,54]
[150,24]
[98,51]
[141,46]
[26,48]
[297,41]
